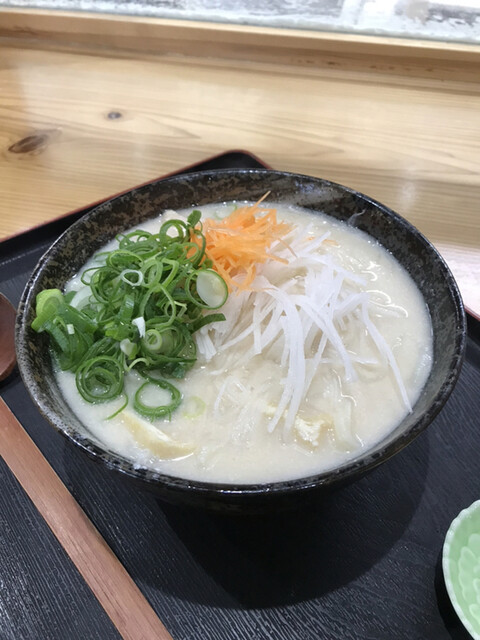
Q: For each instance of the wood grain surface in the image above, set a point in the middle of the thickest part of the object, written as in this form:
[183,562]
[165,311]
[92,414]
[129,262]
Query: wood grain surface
[105,575]
[76,126]
[42,596]
[235,41]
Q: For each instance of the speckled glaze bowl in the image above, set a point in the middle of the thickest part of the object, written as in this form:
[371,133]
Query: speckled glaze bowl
[70,252]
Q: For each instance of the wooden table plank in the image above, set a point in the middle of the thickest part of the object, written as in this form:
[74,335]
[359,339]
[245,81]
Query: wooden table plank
[76,127]
[42,595]
[115,590]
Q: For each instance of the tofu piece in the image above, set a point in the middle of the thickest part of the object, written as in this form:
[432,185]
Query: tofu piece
[310,431]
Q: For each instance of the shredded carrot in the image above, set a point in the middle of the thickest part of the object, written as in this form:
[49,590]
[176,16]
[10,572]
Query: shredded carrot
[238,243]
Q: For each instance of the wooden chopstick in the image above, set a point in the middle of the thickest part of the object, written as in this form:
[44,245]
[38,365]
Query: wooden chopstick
[118,594]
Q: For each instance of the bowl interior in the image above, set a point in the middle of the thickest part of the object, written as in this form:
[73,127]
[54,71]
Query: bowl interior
[85,237]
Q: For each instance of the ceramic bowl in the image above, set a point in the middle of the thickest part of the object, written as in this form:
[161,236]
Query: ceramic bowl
[461,567]
[69,253]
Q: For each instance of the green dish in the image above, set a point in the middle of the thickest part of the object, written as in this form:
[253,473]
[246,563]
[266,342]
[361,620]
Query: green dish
[461,567]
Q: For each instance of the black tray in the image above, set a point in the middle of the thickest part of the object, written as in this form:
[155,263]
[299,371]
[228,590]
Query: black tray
[360,565]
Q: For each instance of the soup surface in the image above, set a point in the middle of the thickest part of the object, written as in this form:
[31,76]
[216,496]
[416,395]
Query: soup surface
[316,362]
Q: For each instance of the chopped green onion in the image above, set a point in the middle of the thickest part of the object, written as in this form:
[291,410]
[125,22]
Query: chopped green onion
[193,407]
[128,347]
[138,309]
[120,408]
[78,298]
[204,320]
[48,302]
[153,340]
[212,288]
[132,277]
[161,410]
[194,218]
[100,379]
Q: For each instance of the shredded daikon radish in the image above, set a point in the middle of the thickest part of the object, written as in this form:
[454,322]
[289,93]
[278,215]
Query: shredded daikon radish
[299,313]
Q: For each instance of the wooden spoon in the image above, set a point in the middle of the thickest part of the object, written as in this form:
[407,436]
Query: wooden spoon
[7,342]
[118,594]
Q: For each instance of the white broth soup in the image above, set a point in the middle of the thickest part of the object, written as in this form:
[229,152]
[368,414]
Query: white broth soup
[325,347]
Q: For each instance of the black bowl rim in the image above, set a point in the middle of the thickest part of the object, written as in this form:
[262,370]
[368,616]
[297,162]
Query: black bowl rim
[338,475]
